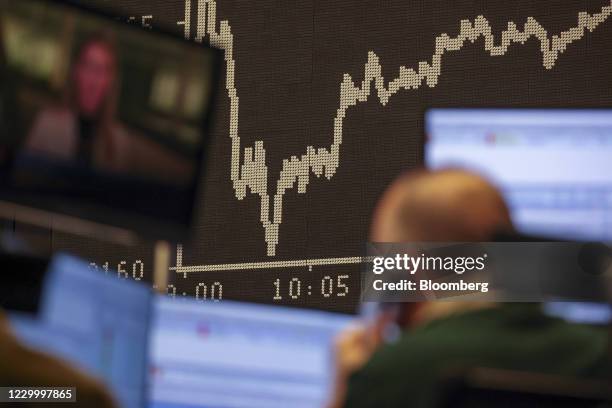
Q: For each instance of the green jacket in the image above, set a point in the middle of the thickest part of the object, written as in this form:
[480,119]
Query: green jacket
[512,336]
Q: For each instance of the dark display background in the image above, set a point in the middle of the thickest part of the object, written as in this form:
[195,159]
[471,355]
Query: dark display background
[290,58]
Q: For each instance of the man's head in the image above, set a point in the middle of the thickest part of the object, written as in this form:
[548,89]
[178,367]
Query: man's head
[446,205]
[442,206]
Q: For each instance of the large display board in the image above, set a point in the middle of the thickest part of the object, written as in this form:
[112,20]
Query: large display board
[322,105]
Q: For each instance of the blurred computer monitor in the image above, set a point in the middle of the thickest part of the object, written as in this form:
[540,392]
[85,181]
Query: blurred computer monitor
[95,321]
[231,354]
[553,167]
[580,312]
[100,121]
[159,351]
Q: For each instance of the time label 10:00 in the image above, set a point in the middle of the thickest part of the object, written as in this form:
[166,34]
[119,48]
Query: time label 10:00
[294,288]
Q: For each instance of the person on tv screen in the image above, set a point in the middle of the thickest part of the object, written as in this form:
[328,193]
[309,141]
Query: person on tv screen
[83,128]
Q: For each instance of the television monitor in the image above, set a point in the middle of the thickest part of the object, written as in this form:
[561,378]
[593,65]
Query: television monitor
[101,121]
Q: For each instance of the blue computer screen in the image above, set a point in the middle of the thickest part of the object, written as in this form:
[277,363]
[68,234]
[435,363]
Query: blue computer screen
[97,322]
[231,354]
[554,166]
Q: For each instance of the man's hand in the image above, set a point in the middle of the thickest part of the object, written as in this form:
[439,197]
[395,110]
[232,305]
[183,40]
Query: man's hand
[352,349]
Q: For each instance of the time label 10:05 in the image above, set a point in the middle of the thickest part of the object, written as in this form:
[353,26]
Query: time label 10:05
[295,288]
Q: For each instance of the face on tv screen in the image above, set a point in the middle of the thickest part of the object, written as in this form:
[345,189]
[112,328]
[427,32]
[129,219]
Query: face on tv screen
[100,112]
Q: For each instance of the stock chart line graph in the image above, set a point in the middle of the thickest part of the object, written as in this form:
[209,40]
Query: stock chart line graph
[248,166]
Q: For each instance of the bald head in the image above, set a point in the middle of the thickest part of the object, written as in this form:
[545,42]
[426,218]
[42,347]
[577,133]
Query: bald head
[447,205]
